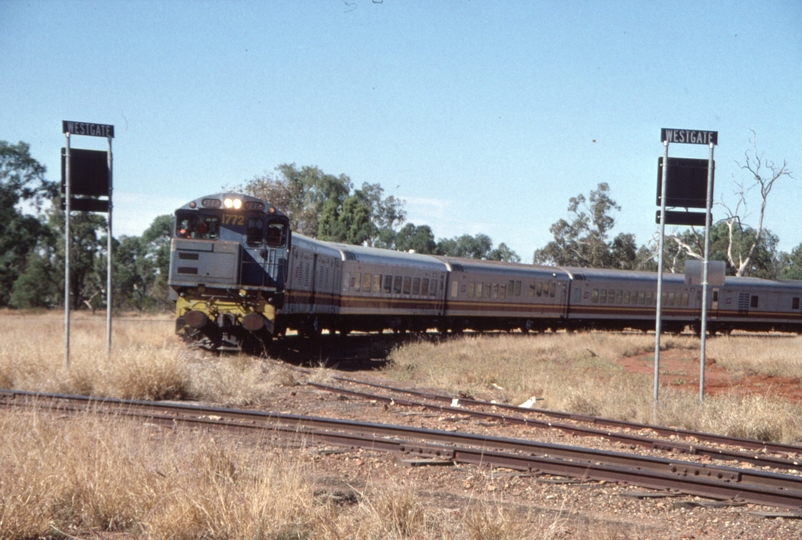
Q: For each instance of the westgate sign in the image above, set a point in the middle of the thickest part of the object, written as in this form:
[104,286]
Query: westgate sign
[688,136]
[85,128]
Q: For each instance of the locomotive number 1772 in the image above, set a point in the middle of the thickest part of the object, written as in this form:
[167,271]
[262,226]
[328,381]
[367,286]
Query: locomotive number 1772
[233,219]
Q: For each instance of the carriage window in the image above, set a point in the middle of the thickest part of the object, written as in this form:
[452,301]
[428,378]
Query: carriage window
[650,298]
[618,296]
[641,297]
[753,302]
[388,284]
[671,299]
[276,234]
[424,287]
[454,288]
[552,289]
[255,226]
[665,296]
[397,285]
[603,296]
[494,291]
[407,284]
[626,297]
[510,287]
[471,289]
[502,291]
[532,288]
[577,295]
[795,303]
[367,280]
[684,299]
[346,281]
[356,282]
[377,283]
[479,290]
[539,290]
[416,286]
[517,288]
[594,296]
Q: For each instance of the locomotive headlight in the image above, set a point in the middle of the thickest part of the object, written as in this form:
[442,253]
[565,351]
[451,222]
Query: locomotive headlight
[232,203]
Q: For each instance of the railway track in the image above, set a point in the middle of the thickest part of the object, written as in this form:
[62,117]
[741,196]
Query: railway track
[735,485]
[755,452]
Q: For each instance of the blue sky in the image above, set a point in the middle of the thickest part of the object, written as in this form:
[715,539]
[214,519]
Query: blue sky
[484,116]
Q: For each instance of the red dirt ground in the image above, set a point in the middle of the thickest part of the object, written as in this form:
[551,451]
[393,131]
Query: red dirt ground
[679,368]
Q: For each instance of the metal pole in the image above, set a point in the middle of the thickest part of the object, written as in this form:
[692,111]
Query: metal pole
[705,267]
[67,195]
[657,324]
[109,259]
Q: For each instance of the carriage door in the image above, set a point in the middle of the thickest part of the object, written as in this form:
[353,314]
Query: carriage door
[254,253]
[313,285]
[714,304]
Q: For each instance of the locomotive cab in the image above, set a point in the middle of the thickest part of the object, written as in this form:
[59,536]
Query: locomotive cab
[228,262]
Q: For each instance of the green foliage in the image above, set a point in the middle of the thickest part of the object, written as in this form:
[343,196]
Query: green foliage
[475,247]
[583,240]
[36,287]
[21,181]
[322,206]
[790,264]
[417,239]
[729,245]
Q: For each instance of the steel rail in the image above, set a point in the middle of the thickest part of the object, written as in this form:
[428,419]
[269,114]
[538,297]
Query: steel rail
[624,438]
[752,444]
[743,479]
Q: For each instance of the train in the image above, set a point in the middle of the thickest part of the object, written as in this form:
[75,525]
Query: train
[241,278]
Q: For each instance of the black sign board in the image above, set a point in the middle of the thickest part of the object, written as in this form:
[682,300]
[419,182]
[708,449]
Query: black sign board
[86,128]
[89,172]
[86,205]
[686,183]
[697,219]
[688,136]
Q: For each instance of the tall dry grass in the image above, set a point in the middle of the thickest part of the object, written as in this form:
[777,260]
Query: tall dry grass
[579,373]
[147,361]
[63,477]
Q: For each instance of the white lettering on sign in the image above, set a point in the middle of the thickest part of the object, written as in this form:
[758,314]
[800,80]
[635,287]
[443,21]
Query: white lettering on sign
[84,128]
[689,136]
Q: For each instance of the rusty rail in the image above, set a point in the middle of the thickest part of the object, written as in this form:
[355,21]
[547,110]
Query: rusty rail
[714,482]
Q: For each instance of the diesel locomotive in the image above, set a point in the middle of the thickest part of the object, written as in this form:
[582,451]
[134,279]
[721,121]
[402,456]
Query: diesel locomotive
[241,278]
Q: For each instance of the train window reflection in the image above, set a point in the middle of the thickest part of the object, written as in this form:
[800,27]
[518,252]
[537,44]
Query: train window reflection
[397,285]
[416,286]
[367,280]
[254,231]
[377,283]
[197,226]
[388,284]
[424,287]
[407,285]
[276,234]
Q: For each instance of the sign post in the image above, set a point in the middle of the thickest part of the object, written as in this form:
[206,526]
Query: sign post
[93,183]
[685,193]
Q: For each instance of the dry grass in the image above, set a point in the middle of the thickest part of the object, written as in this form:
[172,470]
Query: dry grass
[578,373]
[62,477]
[147,361]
